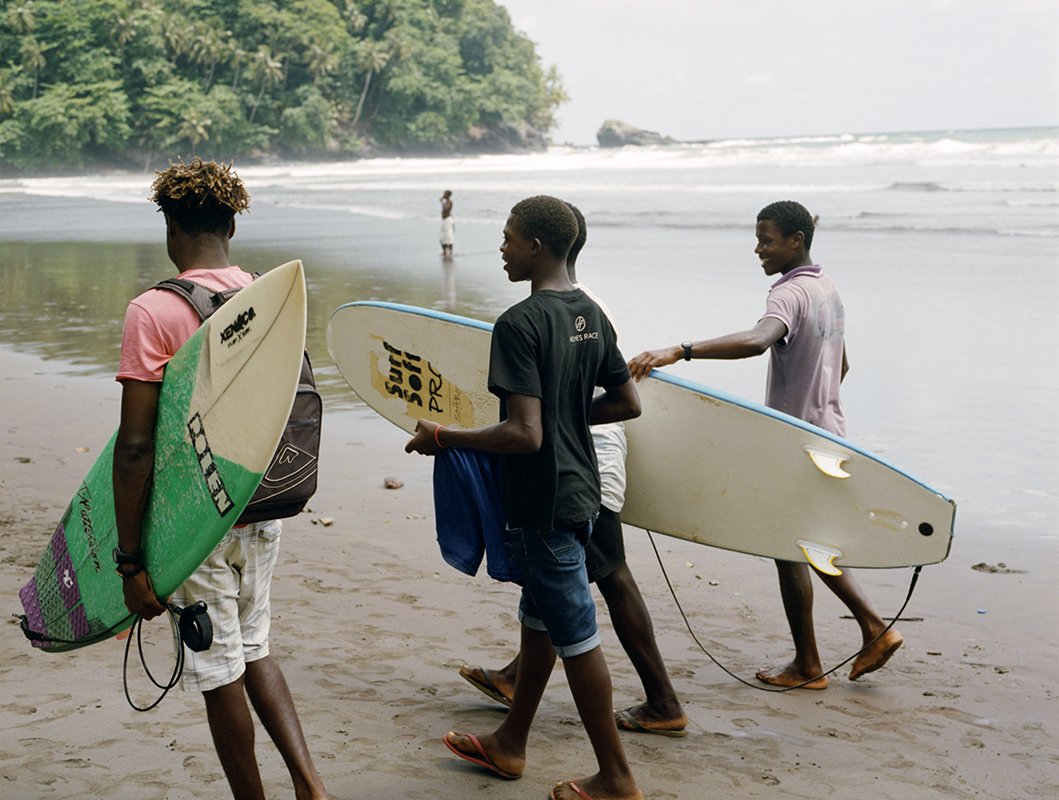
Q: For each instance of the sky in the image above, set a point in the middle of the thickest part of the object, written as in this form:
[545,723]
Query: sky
[712,69]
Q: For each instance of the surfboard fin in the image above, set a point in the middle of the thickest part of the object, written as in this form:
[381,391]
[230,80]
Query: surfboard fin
[821,558]
[828,463]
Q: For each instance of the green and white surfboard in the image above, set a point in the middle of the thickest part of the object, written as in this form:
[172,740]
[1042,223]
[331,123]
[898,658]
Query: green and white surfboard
[224,401]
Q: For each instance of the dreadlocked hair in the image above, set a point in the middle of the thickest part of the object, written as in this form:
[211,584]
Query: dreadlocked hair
[200,197]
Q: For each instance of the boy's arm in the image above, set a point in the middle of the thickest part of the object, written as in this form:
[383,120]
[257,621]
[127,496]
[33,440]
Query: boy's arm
[132,473]
[744,344]
[521,432]
[616,404]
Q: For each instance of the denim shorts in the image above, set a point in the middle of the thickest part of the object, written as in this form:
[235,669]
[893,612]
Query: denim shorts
[555,593]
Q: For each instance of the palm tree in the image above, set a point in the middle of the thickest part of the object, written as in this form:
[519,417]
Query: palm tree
[176,36]
[20,17]
[125,26]
[7,90]
[194,128]
[208,48]
[124,30]
[236,57]
[372,58]
[321,60]
[355,21]
[269,70]
[33,59]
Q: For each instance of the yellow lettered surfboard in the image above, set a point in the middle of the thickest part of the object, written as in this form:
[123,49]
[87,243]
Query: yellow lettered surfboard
[703,465]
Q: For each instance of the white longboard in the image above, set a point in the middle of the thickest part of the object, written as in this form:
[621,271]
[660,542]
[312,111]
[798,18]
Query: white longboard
[702,465]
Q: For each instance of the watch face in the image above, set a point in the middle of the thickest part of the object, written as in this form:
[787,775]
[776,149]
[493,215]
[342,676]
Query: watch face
[124,558]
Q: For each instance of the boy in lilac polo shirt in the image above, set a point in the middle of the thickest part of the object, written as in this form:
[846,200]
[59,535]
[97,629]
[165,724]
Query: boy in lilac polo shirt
[803,327]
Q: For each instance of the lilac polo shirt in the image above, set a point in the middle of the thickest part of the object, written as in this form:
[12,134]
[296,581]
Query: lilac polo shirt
[805,366]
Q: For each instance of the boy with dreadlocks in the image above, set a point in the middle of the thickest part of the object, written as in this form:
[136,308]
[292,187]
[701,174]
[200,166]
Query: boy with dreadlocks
[200,201]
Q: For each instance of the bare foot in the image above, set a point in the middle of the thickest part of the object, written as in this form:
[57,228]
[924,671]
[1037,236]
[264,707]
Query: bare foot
[788,676]
[592,789]
[642,719]
[485,753]
[876,655]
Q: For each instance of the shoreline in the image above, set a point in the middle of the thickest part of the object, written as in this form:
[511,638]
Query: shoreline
[370,627]
[132,165]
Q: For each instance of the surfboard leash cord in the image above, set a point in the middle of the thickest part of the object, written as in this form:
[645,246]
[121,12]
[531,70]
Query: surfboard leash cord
[178,666]
[760,688]
[172,611]
[191,627]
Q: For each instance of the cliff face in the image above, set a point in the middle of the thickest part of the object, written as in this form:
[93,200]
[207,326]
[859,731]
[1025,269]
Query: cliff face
[507,137]
[615,133]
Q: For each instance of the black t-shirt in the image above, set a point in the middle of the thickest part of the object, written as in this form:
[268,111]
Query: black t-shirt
[557,346]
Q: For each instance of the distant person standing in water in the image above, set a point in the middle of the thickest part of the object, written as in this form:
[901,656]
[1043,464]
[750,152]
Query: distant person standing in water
[804,327]
[448,224]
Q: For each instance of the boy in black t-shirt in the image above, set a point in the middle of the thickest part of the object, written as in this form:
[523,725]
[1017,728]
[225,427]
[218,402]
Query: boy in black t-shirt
[548,354]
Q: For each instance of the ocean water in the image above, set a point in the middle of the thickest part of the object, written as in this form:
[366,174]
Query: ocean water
[945,247]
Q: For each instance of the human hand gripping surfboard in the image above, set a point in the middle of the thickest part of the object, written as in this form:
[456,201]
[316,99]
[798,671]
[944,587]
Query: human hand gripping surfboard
[703,465]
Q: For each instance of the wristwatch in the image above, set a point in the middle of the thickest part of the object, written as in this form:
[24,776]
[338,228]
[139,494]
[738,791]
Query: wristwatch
[124,560]
[687,350]
[121,557]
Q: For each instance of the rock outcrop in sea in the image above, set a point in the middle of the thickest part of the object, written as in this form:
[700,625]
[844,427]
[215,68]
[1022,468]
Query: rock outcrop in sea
[615,133]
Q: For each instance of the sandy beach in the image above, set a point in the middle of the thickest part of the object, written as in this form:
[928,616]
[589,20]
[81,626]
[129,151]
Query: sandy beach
[371,626]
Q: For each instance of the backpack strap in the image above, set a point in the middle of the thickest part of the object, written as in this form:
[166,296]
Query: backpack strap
[203,300]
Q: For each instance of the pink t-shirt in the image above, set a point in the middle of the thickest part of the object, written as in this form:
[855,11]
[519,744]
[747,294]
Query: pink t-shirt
[158,322]
[805,368]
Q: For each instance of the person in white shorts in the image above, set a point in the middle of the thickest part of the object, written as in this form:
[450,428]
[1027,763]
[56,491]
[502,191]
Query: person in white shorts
[200,201]
[448,225]
[235,582]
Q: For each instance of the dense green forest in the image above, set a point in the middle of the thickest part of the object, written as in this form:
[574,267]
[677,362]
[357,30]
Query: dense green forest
[89,82]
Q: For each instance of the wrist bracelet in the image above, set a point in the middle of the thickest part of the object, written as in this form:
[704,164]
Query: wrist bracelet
[437,441]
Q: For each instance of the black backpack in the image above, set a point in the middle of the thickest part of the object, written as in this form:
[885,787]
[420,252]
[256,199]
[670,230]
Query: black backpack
[290,479]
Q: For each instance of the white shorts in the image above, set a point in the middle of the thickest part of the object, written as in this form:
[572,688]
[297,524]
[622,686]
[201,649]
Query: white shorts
[235,582]
[611,449]
[448,230]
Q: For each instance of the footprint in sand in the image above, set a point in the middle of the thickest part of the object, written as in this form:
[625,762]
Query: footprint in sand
[843,735]
[199,772]
[317,585]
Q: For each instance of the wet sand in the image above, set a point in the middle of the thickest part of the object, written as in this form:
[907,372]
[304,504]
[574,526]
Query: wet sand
[371,626]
